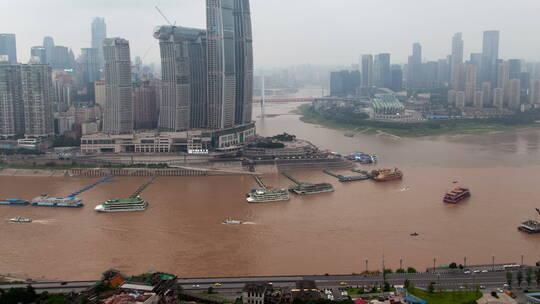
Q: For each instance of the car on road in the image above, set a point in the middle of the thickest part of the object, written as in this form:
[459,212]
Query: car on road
[217,284]
[343,283]
[467,272]
[485,270]
[482,287]
[500,290]
[195,286]
[476,271]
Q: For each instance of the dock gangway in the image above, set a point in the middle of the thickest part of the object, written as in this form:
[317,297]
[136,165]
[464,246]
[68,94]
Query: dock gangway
[103,180]
[259,181]
[142,187]
[294,180]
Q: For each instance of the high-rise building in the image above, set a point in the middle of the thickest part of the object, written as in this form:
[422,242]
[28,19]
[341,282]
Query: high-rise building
[99,33]
[118,111]
[381,70]
[476,59]
[414,67]
[145,114]
[344,83]
[221,66]
[486,93]
[61,58]
[470,83]
[452,97]
[498,98]
[503,79]
[514,68]
[534,92]
[479,99]
[100,93]
[396,78]
[457,59]
[184,87]
[8,46]
[490,56]
[460,100]
[89,68]
[367,71]
[11,104]
[514,94]
[443,71]
[48,44]
[38,54]
[430,75]
[38,98]
[243,61]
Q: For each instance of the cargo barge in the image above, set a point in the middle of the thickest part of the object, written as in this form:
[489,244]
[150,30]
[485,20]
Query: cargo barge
[48,201]
[457,195]
[384,175]
[302,188]
[14,202]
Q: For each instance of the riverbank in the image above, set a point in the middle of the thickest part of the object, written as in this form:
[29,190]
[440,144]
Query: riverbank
[461,127]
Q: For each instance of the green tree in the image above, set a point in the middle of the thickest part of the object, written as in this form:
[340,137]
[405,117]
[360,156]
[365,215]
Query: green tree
[411,270]
[407,284]
[431,288]
[210,290]
[509,278]
[387,287]
[519,278]
[387,271]
[528,276]
[400,270]
[537,275]
[453,266]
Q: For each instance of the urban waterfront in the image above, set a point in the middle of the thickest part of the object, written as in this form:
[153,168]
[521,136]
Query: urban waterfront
[181,232]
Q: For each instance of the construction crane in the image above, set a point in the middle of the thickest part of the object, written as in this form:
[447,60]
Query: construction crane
[164,17]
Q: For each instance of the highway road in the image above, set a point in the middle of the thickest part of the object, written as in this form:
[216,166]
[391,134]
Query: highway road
[233,286]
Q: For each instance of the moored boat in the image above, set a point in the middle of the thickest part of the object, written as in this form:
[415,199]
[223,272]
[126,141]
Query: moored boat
[531,227]
[122,205]
[14,202]
[47,201]
[384,175]
[457,195]
[267,195]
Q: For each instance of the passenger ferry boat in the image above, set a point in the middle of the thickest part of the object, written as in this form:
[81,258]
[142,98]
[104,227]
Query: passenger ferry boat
[307,188]
[14,202]
[20,219]
[48,201]
[122,205]
[267,195]
[457,195]
[385,175]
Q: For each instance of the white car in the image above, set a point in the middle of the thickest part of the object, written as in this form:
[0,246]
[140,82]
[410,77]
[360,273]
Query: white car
[476,271]
[467,272]
[500,290]
[485,270]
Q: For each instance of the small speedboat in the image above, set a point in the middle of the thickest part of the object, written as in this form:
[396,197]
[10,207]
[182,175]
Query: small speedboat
[20,219]
[230,221]
[414,234]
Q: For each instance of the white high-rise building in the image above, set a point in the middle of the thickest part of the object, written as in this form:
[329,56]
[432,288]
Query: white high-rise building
[118,111]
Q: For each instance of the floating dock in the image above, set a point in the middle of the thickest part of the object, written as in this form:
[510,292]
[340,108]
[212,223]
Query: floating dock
[344,179]
[308,188]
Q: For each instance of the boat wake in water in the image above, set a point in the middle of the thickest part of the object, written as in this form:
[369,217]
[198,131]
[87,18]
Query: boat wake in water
[46,221]
[249,223]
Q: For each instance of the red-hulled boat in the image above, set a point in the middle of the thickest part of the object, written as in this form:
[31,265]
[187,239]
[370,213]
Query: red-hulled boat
[457,195]
[385,175]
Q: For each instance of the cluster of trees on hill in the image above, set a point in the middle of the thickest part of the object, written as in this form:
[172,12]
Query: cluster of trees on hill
[345,115]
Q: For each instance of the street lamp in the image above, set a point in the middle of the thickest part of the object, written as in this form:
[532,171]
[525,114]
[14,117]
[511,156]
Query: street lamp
[465,262]
[434,262]
[493,262]
[366,266]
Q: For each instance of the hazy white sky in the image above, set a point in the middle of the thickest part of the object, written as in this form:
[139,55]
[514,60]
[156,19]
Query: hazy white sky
[288,32]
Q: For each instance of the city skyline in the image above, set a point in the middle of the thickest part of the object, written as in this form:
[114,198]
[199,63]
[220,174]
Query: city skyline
[432,32]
